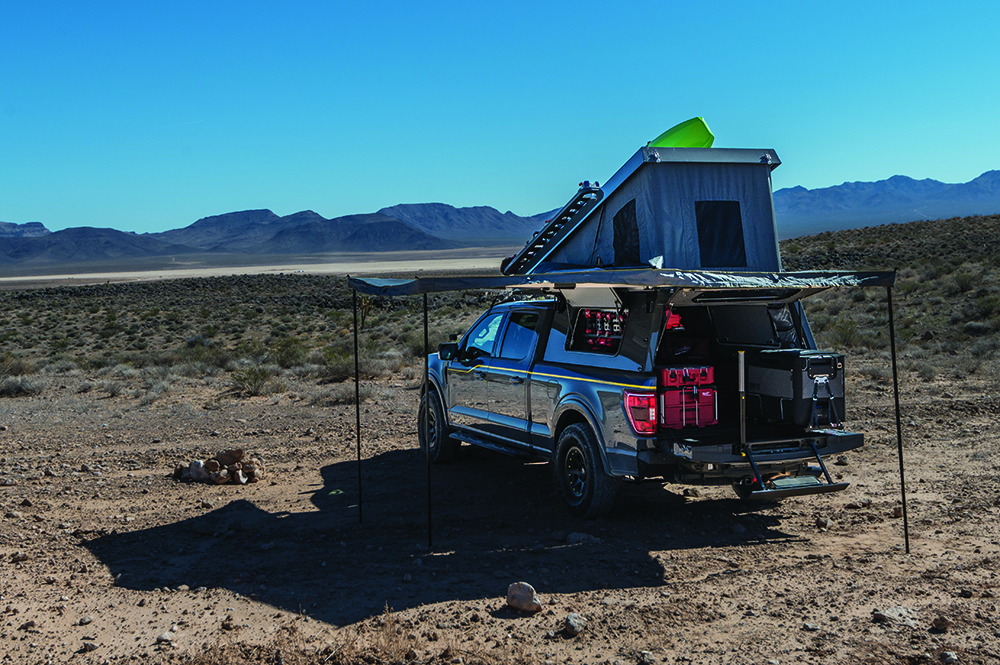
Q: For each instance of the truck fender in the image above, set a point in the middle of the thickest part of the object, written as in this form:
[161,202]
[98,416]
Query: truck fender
[578,406]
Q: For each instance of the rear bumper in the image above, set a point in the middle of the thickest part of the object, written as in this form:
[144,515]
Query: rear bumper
[719,456]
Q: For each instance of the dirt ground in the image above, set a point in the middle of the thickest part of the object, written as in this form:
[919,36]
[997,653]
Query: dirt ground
[102,551]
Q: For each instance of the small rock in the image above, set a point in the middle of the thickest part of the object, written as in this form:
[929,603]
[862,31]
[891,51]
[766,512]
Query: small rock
[28,625]
[811,627]
[89,646]
[239,477]
[575,624]
[142,602]
[897,614]
[949,657]
[521,596]
[18,557]
[897,511]
[166,637]
[85,620]
[691,491]
[841,461]
[27,503]
[822,522]
[197,471]
[184,587]
[576,538]
[941,623]
[966,593]
[212,465]
[646,658]
[229,457]
[220,477]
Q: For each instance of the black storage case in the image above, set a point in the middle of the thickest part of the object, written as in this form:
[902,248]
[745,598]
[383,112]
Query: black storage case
[797,386]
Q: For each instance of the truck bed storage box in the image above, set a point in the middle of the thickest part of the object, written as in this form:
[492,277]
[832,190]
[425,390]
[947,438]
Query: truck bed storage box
[797,386]
[695,406]
[675,377]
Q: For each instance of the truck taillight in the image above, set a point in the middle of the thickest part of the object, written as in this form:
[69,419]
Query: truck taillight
[640,408]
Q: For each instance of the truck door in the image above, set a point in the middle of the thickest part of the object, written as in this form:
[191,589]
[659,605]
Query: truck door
[466,374]
[507,377]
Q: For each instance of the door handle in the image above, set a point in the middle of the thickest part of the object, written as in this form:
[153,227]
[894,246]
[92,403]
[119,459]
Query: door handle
[516,380]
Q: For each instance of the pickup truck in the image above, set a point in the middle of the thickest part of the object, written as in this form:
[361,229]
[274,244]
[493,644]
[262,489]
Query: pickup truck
[672,385]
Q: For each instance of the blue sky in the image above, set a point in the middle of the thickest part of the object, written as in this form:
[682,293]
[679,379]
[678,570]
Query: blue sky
[145,116]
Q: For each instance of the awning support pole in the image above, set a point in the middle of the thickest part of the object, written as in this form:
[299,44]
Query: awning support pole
[899,422]
[424,397]
[357,396]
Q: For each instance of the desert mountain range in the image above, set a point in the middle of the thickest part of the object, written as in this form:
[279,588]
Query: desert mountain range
[799,211]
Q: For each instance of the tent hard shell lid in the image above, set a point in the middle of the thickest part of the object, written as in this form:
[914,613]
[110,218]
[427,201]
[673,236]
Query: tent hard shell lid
[690,208]
[693,133]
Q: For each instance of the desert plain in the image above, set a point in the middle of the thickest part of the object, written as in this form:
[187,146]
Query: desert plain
[105,557]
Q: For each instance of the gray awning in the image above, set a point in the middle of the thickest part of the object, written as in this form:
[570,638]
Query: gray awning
[639,278]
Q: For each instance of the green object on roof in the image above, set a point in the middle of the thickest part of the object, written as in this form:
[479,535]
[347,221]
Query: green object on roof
[693,133]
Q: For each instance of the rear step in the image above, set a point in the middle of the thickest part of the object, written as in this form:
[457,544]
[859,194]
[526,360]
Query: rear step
[779,487]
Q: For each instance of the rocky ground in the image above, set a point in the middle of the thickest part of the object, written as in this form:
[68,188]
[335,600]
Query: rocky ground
[104,557]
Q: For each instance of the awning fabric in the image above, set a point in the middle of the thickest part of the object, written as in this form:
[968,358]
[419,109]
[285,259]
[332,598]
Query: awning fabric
[638,278]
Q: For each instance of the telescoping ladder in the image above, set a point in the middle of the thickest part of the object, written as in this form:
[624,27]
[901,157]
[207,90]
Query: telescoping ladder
[557,228]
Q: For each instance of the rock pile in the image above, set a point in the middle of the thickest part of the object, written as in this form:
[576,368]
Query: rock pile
[228,466]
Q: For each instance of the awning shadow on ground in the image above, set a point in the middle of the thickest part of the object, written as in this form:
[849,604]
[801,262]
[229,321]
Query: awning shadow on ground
[496,520]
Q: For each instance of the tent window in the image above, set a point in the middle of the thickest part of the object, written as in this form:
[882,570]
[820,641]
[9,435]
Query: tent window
[626,236]
[720,234]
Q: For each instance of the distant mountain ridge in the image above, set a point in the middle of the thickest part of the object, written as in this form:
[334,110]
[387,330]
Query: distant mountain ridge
[26,230]
[802,211]
[421,226]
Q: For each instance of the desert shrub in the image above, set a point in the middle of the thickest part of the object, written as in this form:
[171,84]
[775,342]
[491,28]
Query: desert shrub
[111,387]
[19,386]
[965,368]
[985,348]
[964,280]
[344,393]
[11,365]
[289,352]
[845,334]
[987,305]
[925,371]
[251,380]
[977,328]
[877,373]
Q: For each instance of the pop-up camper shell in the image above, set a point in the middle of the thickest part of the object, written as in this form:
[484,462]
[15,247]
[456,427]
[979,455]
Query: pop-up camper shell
[683,208]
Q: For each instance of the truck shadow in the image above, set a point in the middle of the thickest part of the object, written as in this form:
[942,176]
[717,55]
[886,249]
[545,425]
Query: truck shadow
[496,520]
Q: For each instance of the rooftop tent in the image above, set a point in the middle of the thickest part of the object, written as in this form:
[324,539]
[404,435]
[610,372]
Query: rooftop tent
[686,208]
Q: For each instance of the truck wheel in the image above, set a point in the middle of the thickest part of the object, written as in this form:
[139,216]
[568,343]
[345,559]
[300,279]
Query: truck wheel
[587,489]
[433,431]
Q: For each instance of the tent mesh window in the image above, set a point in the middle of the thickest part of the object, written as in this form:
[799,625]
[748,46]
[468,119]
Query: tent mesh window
[626,236]
[720,234]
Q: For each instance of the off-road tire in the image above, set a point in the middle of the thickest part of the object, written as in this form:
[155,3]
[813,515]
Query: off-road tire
[588,490]
[443,448]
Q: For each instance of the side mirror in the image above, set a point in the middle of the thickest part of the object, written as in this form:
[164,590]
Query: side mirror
[447,351]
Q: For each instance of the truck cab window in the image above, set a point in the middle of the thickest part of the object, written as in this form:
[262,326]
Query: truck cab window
[481,339]
[520,336]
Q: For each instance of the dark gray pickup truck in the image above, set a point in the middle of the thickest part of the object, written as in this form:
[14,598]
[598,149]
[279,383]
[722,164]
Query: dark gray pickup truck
[616,385]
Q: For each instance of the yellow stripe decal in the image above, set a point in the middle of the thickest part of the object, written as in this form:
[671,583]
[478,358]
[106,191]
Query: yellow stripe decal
[550,376]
